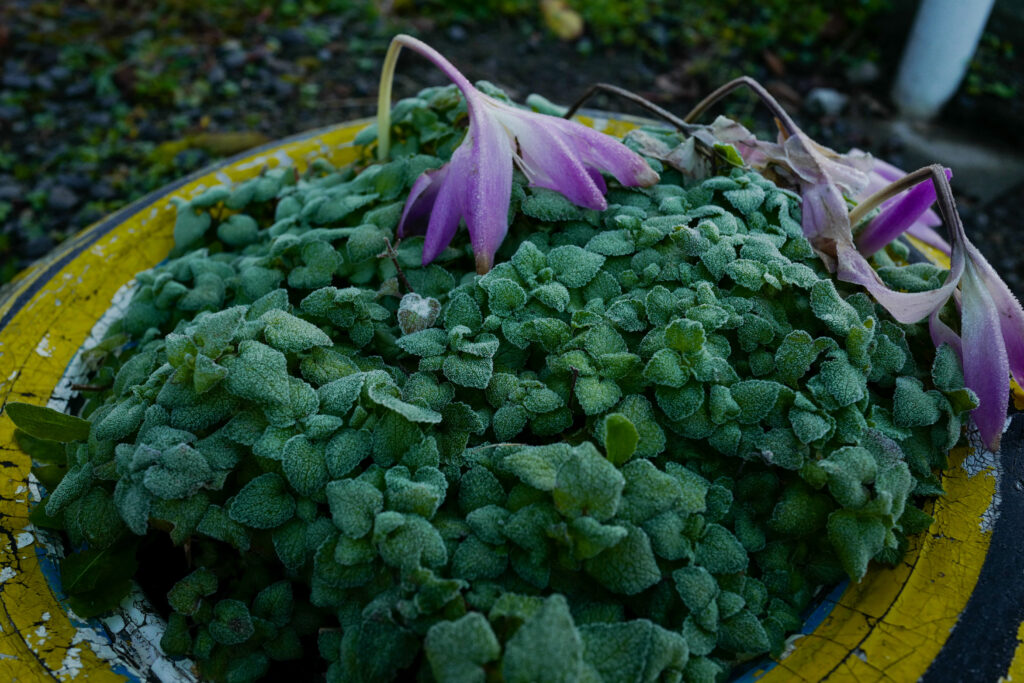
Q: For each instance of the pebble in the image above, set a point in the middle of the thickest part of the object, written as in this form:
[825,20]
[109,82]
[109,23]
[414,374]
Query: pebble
[863,73]
[216,74]
[79,88]
[17,80]
[458,33]
[826,101]
[76,182]
[59,73]
[102,190]
[11,191]
[62,198]
[10,112]
[234,59]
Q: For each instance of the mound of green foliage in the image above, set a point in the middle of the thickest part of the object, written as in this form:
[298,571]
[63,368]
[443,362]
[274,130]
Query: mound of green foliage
[634,450]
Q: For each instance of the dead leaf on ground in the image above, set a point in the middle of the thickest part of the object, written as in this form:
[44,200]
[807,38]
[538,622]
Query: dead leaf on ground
[564,22]
[774,63]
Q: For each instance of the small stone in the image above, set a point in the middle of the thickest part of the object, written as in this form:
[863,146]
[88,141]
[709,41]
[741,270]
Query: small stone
[827,101]
[10,112]
[457,33]
[100,119]
[235,59]
[59,73]
[11,191]
[79,88]
[62,198]
[77,182]
[863,73]
[283,89]
[102,190]
[216,74]
[17,80]
[37,246]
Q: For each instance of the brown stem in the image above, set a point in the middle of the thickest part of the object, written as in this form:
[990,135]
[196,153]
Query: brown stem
[89,387]
[393,255]
[635,99]
[785,122]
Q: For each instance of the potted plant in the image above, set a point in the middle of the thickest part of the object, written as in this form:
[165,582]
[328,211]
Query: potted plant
[630,426]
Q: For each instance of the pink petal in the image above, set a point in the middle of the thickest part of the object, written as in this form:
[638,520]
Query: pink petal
[598,179]
[603,152]
[986,368]
[906,307]
[449,206]
[1011,315]
[488,187]
[942,334]
[886,171]
[549,162]
[420,202]
[817,164]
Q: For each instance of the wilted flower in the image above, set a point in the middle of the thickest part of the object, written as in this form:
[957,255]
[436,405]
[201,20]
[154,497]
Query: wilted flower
[991,318]
[476,185]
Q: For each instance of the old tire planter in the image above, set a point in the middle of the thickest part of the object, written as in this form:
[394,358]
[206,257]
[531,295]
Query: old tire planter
[953,610]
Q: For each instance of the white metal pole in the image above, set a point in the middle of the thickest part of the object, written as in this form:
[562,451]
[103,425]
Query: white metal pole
[941,44]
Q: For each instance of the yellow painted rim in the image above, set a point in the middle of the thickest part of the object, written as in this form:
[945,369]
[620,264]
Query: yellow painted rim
[891,626]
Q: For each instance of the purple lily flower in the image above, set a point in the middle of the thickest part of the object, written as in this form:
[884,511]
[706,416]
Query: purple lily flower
[900,215]
[476,185]
[923,227]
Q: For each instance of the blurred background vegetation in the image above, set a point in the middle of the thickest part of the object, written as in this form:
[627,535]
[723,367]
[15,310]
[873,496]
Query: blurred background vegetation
[103,101]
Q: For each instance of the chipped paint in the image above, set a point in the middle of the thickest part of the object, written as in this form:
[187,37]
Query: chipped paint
[44,348]
[983,461]
[893,623]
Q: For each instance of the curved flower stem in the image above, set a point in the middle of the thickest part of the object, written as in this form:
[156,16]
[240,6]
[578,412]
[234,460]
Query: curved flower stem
[632,97]
[387,77]
[786,123]
[943,198]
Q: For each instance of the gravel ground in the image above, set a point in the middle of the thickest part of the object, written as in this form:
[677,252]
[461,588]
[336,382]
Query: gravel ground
[81,136]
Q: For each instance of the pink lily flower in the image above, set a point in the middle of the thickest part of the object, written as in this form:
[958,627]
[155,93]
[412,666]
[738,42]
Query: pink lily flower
[476,185]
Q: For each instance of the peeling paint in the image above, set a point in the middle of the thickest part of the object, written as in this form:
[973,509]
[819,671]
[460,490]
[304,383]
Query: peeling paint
[44,348]
[983,461]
